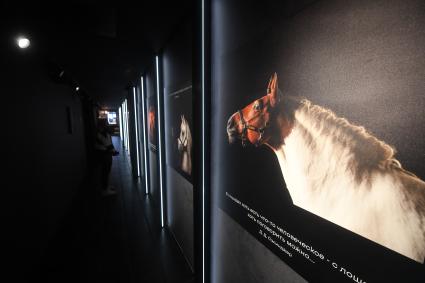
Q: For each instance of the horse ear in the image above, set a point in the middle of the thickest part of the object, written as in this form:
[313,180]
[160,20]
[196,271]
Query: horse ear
[273,90]
[269,87]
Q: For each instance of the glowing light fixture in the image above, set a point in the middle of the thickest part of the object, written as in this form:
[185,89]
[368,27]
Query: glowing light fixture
[144,135]
[23,42]
[203,134]
[77,88]
[159,140]
[122,123]
[127,128]
[125,124]
[119,114]
[136,125]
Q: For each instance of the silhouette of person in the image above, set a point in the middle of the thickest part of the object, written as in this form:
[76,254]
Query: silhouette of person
[104,151]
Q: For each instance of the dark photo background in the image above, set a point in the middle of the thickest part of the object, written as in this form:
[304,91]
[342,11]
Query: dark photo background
[365,61]
[179,103]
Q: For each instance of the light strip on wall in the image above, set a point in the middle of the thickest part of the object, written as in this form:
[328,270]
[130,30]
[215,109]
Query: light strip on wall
[203,134]
[136,125]
[119,114]
[123,125]
[145,153]
[127,126]
[159,140]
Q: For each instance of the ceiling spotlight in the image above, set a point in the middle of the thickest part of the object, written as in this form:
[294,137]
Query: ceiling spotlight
[23,42]
[77,88]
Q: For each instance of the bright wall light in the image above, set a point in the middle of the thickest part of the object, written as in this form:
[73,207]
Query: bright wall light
[122,123]
[23,42]
[119,114]
[125,124]
[145,153]
[159,140]
[136,125]
[203,135]
[127,127]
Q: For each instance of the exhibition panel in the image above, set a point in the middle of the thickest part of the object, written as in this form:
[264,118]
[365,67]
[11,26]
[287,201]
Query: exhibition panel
[317,140]
[178,134]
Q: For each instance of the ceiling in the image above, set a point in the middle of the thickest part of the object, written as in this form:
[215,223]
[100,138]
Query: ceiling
[103,46]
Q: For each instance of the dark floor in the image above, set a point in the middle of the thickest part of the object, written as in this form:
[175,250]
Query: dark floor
[115,238]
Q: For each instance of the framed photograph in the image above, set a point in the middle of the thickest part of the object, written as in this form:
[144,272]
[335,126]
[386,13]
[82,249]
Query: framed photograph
[152,123]
[318,154]
[112,117]
[179,132]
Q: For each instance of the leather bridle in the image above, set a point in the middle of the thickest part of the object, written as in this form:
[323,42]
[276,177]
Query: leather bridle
[246,126]
[185,138]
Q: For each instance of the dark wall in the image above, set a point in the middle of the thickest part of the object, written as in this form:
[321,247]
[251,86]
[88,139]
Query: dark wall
[362,59]
[45,159]
[177,62]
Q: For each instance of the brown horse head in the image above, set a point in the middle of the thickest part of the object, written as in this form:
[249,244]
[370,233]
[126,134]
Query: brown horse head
[260,122]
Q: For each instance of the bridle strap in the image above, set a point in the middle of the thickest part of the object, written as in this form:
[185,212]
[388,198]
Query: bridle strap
[185,139]
[246,126]
[182,142]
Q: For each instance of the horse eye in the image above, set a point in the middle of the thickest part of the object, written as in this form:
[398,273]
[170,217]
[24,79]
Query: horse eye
[257,106]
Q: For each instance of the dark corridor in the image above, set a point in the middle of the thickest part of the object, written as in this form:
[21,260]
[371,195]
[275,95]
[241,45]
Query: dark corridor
[325,179]
[115,238]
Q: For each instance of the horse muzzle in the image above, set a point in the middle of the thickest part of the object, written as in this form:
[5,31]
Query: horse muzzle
[232,131]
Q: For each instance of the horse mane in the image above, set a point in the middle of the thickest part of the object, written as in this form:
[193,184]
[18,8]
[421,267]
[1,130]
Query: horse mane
[367,153]
[189,132]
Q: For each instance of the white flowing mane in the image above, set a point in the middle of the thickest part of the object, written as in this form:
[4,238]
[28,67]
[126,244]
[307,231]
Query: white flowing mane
[342,173]
[364,152]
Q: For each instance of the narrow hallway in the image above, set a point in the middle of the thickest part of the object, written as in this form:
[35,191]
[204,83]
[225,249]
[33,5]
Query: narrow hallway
[115,238]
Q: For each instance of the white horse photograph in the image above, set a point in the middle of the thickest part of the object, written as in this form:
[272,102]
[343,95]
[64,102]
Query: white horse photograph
[335,169]
[179,121]
[184,145]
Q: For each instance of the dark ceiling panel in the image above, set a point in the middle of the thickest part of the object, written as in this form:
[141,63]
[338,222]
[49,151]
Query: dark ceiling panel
[104,47]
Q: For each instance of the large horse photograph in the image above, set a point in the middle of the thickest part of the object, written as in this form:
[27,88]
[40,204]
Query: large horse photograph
[179,140]
[318,128]
[337,170]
